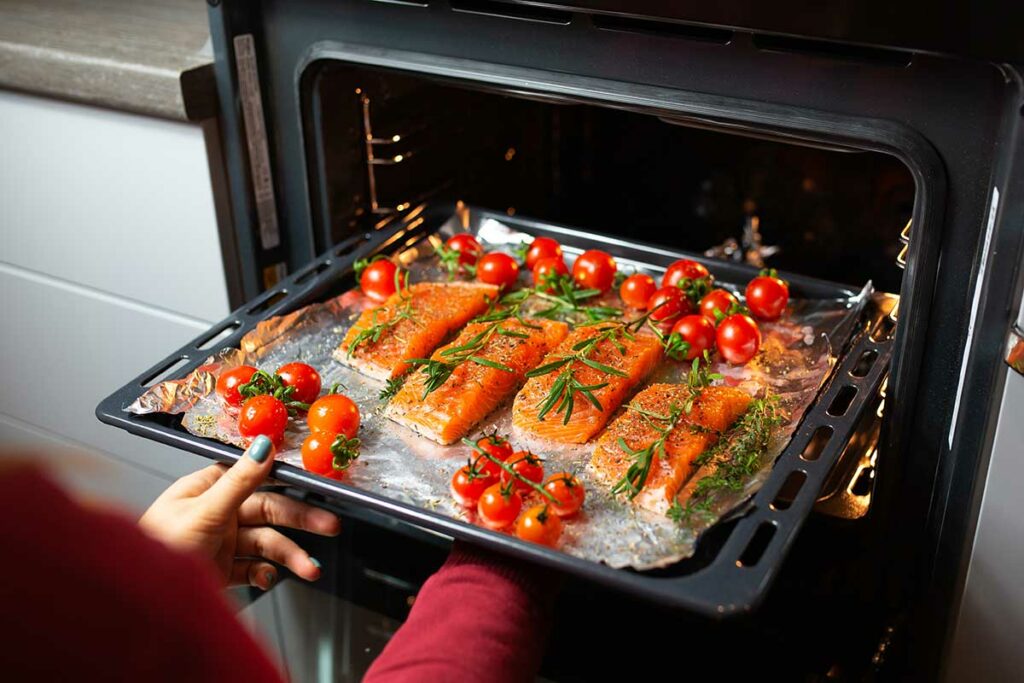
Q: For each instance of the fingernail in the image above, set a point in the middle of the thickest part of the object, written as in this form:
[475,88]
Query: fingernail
[270,578]
[316,562]
[260,448]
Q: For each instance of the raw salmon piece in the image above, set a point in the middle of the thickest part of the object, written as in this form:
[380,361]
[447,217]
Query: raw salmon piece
[412,325]
[636,358]
[473,390]
[713,411]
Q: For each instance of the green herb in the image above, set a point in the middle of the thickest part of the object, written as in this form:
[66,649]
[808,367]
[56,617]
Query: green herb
[391,387]
[519,251]
[438,371]
[642,459]
[698,379]
[373,333]
[562,397]
[736,457]
[450,260]
[263,383]
[361,264]
[514,476]
[567,298]
[734,308]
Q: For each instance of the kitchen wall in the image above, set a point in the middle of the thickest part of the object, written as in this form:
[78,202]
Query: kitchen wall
[109,260]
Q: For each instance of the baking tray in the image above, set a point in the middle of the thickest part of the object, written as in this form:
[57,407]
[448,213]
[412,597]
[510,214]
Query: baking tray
[735,561]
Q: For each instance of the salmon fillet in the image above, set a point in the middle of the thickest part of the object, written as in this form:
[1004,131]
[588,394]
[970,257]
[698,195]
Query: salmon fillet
[634,356]
[411,325]
[712,412]
[473,390]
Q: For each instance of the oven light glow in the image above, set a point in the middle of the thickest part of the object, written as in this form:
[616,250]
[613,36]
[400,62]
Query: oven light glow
[398,158]
[396,138]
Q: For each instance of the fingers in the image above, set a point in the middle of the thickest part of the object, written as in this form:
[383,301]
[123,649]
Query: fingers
[257,573]
[265,543]
[273,508]
[229,491]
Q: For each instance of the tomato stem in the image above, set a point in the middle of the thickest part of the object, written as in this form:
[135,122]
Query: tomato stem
[475,445]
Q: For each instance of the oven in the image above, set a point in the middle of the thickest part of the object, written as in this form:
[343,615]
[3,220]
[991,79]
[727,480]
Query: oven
[819,144]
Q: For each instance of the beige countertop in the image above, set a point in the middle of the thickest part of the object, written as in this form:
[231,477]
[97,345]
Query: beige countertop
[146,56]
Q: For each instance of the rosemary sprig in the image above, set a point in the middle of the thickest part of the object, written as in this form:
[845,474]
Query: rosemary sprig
[562,397]
[450,260]
[698,379]
[391,387]
[565,297]
[475,445]
[642,458]
[373,333]
[438,371]
[737,457]
[262,382]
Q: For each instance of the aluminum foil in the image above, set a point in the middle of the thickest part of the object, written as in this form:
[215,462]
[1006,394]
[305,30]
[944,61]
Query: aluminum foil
[798,354]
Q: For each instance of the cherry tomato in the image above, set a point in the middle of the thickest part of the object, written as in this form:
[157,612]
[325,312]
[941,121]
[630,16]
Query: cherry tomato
[468,484]
[547,268]
[378,280]
[497,447]
[594,269]
[667,305]
[683,268]
[317,456]
[527,465]
[569,493]
[467,246]
[542,247]
[539,525]
[637,290]
[265,415]
[698,332]
[767,297]
[230,380]
[304,378]
[498,509]
[716,300]
[334,414]
[738,338]
[497,269]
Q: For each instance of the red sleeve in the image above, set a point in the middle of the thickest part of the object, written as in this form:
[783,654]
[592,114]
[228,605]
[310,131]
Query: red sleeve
[479,618]
[86,595]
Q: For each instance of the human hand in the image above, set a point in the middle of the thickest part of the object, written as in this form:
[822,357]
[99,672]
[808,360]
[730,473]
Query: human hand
[217,513]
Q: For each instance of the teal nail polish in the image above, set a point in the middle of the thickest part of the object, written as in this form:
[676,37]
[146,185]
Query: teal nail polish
[316,562]
[269,577]
[260,448]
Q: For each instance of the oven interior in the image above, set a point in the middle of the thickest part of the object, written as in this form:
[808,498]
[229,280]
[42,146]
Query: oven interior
[380,143]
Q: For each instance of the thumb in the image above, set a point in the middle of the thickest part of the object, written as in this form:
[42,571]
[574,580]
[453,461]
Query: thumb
[242,479]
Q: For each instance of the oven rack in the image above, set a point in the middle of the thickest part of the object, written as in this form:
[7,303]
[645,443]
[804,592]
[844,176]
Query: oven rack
[736,560]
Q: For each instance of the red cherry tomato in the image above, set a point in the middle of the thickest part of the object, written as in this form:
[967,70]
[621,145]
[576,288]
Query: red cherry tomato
[467,246]
[468,484]
[498,509]
[317,456]
[637,290]
[230,380]
[767,297]
[497,269]
[698,332]
[378,280]
[594,269]
[716,300]
[548,268]
[497,447]
[304,378]
[539,525]
[542,247]
[684,268]
[667,304]
[527,465]
[334,414]
[738,338]
[569,493]
[265,415]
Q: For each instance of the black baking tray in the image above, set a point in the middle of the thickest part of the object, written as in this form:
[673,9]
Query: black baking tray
[735,561]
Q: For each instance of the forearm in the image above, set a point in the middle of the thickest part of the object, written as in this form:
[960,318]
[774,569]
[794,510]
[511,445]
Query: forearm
[479,618]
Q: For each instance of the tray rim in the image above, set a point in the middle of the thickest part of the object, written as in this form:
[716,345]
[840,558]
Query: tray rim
[719,589]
